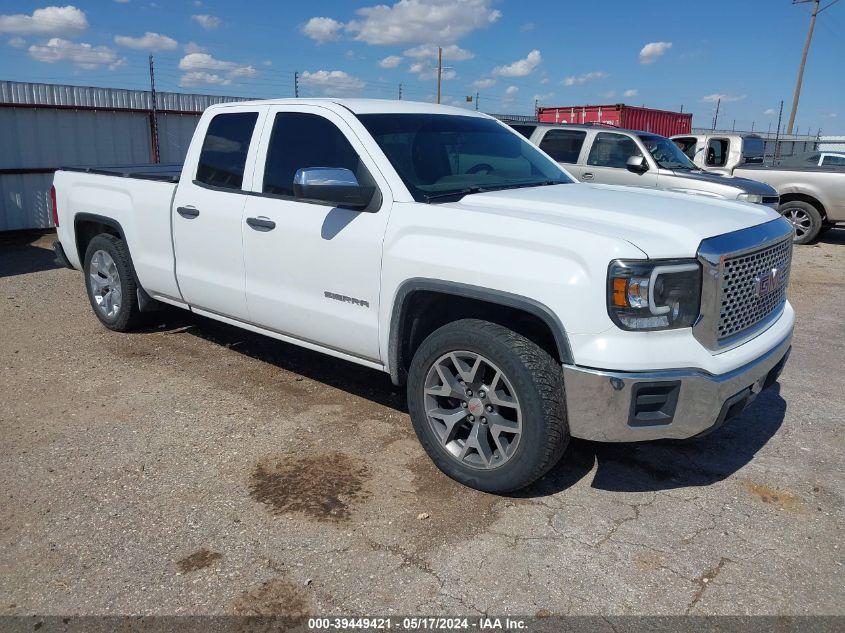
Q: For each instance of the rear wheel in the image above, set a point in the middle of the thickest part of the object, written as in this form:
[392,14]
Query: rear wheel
[111,284]
[488,405]
[805,219]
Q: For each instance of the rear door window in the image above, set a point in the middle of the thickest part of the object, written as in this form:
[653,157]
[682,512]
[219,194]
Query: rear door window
[223,156]
[612,150]
[563,145]
[834,161]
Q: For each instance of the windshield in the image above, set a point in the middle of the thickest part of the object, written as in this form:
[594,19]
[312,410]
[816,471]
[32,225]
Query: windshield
[665,153]
[441,157]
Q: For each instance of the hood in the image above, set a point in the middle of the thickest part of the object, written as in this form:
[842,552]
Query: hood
[742,184]
[660,223]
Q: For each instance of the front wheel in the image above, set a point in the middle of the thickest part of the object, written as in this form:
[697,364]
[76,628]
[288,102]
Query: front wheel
[488,405]
[805,219]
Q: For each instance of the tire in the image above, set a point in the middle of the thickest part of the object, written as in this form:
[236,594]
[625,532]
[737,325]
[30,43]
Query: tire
[111,283]
[520,430]
[805,219]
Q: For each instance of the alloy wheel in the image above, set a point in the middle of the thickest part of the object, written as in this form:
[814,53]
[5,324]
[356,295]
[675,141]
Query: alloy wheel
[473,409]
[105,284]
[800,220]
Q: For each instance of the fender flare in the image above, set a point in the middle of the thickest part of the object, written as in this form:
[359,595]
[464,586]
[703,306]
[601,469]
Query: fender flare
[489,295]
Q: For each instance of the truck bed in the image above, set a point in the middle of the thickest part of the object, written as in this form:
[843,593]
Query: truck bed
[166,173]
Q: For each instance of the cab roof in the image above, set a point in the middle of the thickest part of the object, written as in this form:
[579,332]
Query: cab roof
[368,106]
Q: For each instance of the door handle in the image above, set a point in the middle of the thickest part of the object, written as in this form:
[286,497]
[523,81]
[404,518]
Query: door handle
[261,224]
[188,212]
[588,176]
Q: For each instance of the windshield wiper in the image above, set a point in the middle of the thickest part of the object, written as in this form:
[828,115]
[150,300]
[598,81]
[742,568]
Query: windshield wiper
[460,193]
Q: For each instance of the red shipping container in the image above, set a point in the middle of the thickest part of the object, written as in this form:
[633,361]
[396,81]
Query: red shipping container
[664,122]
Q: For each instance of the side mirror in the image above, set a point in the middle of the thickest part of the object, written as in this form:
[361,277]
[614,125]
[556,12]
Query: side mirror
[637,164]
[331,185]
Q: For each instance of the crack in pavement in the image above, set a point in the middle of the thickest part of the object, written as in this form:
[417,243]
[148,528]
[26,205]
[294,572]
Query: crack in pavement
[705,580]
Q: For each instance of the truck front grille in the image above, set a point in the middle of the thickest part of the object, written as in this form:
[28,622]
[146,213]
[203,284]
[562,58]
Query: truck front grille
[753,286]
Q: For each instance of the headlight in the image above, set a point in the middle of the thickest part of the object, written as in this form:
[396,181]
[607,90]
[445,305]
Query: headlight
[753,198]
[653,295]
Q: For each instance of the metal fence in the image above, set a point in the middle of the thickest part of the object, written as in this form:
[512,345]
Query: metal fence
[47,126]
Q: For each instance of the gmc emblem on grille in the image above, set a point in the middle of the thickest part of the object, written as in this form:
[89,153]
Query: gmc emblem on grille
[767,282]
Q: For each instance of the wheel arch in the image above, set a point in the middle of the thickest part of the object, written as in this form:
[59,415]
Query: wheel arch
[445,301]
[804,197]
[88,225]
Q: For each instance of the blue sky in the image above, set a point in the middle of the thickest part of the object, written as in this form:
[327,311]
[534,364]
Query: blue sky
[663,54]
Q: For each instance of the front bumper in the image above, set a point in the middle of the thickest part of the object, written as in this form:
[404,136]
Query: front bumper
[609,406]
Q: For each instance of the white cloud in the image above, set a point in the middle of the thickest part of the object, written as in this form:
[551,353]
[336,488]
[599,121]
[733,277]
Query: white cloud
[481,84]
[149,41]
[331,82]
[610,94]
[833,115]
[452,52]
[543,97]
[652,51]
[199,78]
[267,62]
[582,79]
[720,97]
[322,29]
[770,112]
[510,95]
[631,92]
[203,68]
[422,21]
[521,67]
[47,20]
[426,72]
[391,61]
[193,47]
[208,22]
[122,1]
[17,42]
[81,54]
[528,26]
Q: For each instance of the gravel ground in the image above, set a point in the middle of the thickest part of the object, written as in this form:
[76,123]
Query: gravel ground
[194,468]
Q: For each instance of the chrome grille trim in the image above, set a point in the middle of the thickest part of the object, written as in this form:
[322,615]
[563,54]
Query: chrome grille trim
[724,255]
[741,307]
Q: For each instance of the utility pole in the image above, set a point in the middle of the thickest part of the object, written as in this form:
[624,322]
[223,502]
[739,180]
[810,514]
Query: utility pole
[296,84]
[803,60]
[752,126]
[733,127]
[154,112]
[716,116]
[476,100]
[439,70]
[400,92]
[777,134]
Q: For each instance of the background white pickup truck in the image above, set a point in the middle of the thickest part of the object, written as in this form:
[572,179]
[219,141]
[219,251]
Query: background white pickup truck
[439,246]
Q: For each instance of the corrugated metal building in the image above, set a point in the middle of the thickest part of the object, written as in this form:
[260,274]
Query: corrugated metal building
[832,143]
[46,126]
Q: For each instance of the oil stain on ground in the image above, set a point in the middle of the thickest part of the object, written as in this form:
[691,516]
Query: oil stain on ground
[775,497]
[200,559]
[323,486]
[278,597]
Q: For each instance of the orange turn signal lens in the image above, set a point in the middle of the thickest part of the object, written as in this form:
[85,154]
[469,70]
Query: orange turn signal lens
[620,292]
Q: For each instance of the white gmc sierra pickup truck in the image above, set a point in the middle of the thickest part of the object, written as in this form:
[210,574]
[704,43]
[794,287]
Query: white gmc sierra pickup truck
[436,244]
